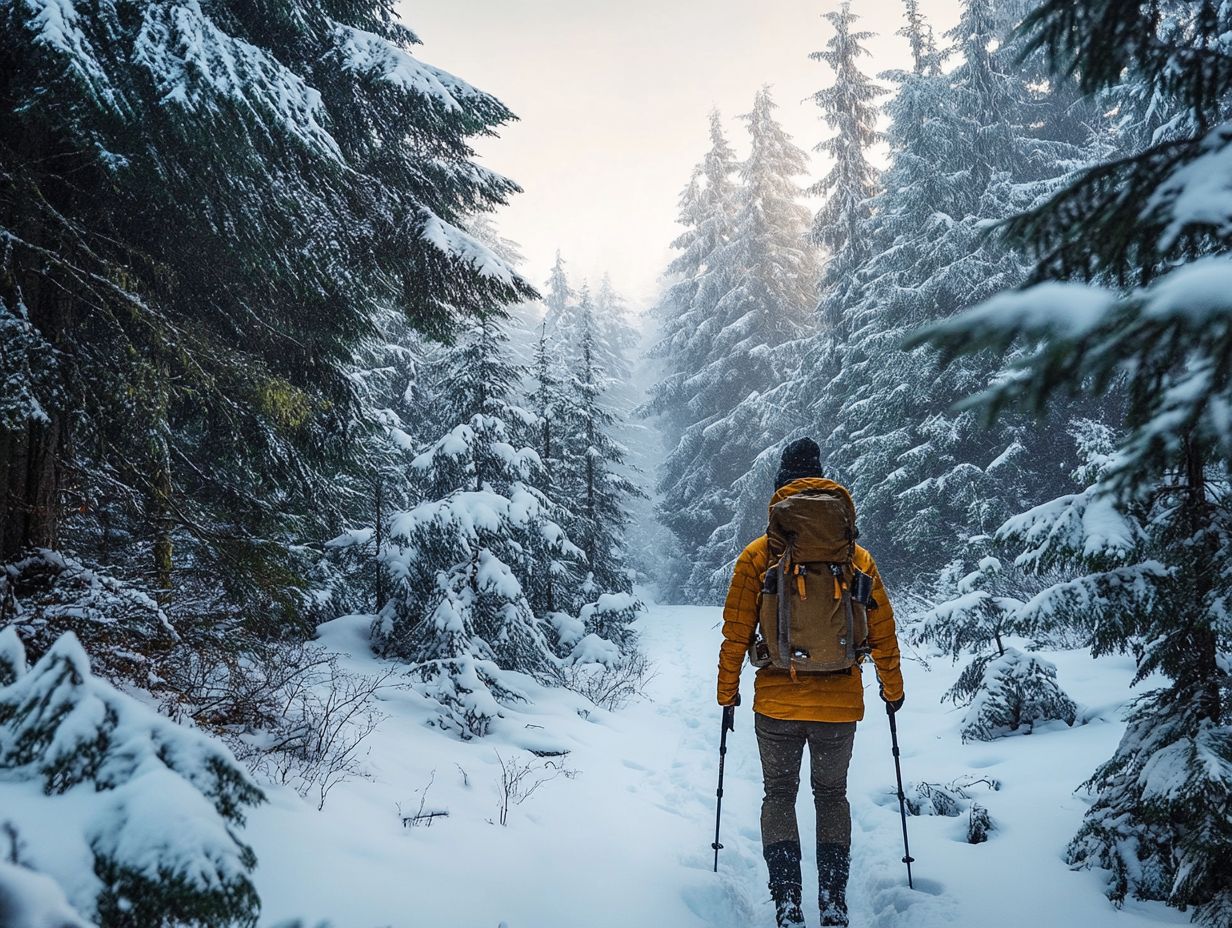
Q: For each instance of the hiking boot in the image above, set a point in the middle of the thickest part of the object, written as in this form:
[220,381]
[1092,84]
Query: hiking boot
[787,910]
[783,862]
[833,868]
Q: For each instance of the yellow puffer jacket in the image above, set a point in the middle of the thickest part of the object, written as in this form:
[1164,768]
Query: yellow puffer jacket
[810,698]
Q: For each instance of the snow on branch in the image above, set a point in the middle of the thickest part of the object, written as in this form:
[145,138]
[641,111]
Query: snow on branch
[57,26]
[1197,194]
[195,65]
[1065,310]
[367,53]
[459,245]
[32,900]
[1087,523]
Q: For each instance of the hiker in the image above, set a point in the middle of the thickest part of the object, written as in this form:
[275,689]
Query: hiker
[808,567]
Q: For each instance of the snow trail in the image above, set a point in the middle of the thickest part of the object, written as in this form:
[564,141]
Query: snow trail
[624,838]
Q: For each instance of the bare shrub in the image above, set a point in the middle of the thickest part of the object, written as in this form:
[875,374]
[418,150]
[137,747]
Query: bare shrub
[608,687]
[424,815]
[949,800]
[286,709]
[318,741]
[521,779]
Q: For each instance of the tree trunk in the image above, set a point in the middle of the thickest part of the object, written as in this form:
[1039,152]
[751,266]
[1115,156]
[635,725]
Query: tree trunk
[379,540]
[32,510]
[161,489]
[30,453]
[8,448]
[1203,638]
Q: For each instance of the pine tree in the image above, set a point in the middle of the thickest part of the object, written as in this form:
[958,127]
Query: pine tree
[206,208]
[1005,690]
[616,337]
[583,356]
[848,107]
[967,150]
[769,272]
[918,34]
[559,294]
[465,559]
[771,417]
[557,581]
[1146,540]
[596,483]
[605,316]
[686,325]
[707,210]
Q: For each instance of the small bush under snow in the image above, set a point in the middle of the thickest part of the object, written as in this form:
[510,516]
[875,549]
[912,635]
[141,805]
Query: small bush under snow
[1016,692]
[164,802]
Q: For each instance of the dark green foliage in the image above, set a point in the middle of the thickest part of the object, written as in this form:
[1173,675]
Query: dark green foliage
[1116,218]
[195,248]
[979,824]
[1146,542]
[133,899]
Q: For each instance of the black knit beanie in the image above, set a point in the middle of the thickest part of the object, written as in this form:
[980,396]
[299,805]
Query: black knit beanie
[802,458]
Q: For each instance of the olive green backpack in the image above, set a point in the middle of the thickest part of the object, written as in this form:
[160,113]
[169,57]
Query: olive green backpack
[812,609]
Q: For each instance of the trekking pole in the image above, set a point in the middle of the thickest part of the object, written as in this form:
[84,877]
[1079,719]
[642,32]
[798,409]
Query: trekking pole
[902,799]
[729,724]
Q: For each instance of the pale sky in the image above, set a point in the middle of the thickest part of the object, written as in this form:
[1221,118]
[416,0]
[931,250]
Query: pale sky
[613,99]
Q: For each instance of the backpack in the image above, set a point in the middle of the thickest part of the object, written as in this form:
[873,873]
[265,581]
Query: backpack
[812,609]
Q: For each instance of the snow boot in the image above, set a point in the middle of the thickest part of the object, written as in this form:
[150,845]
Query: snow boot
[783,862]
[833,868]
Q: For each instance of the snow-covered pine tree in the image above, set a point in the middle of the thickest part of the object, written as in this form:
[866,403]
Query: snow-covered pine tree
[204,206]
[841,225]
[1146,542]
[1006,690]
[686,329]
[966,151]
[848,106]
[918,34]
[616,337]
[463,562]
[612,335]
[523,319]
[557,584]
[698,277]
[396,398]
[159,805]
[737,351]
[597,486]
[775,269]
[558,294]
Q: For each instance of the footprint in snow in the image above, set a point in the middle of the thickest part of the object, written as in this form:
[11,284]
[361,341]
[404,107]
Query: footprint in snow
[890,901]
[983,763]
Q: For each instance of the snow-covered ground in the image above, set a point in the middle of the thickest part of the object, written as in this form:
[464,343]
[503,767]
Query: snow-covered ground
[622,835]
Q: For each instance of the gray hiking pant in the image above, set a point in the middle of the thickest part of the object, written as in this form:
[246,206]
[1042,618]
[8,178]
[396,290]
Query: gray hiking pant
[782,746]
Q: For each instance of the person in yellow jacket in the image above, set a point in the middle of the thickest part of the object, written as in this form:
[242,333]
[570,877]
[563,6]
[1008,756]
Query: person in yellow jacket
[820,710]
